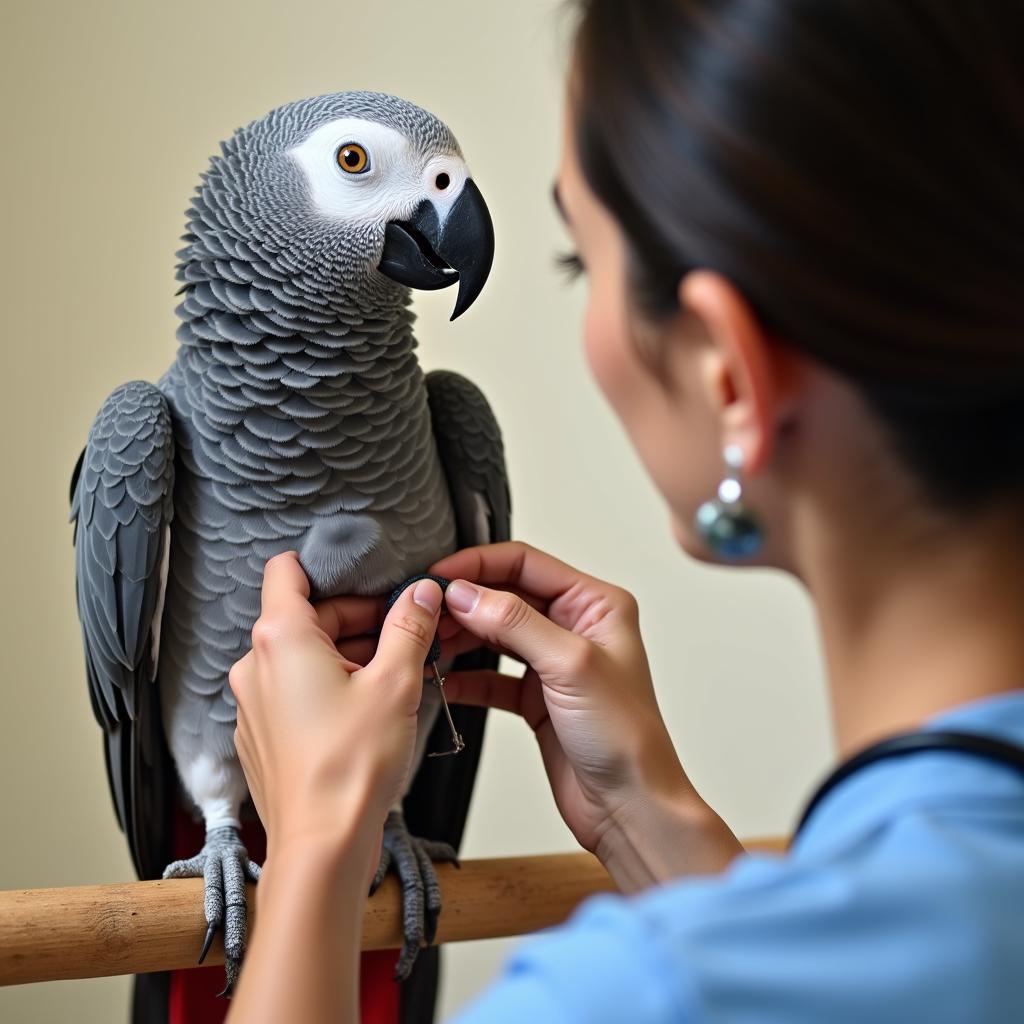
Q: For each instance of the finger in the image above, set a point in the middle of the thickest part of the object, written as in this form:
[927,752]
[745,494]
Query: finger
[359,649]
[350,666]
[503,618]
[485,688]
[455,640]
[464,641]
[408,632]
[285,591]
[239,674]
[448,626]
[512,562]
[349,616]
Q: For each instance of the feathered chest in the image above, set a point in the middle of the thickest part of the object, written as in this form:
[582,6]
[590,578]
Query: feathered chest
[285,421]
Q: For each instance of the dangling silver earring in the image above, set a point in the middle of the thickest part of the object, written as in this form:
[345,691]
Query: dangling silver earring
[729,527]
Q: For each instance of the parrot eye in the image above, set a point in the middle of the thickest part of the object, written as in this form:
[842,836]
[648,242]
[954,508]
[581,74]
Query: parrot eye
[353,159]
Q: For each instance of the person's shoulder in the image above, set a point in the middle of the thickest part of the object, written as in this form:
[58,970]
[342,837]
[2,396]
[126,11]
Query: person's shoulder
[917,917]
[960,853]
[915,920]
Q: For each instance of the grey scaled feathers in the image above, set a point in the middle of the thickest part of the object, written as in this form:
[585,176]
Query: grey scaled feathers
[295,416]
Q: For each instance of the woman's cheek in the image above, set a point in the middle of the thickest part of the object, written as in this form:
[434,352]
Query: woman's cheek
[652,425]
[606,344]
[629,386]
[595,345]
[687,539]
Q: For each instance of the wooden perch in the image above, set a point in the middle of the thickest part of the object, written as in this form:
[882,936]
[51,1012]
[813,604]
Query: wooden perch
[93,931]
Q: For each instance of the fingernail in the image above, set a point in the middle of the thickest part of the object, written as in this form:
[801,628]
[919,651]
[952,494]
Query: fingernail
[461,596]
[427,594]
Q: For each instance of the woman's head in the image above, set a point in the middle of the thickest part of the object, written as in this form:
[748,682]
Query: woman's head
[849,174]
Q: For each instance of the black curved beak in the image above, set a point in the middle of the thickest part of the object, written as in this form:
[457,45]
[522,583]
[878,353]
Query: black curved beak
[420,253]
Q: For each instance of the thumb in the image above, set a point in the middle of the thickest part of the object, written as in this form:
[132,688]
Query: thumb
[505,619]
[408,631]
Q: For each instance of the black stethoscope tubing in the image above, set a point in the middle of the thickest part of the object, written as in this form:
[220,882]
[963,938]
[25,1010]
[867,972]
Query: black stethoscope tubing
[973,744]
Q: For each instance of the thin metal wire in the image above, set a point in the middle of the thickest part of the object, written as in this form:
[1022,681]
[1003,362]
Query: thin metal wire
[457,741]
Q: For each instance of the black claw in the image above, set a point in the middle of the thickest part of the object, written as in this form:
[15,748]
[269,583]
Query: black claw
[430,926]
[404,967]
[211,930]
[377,883]
[231,969]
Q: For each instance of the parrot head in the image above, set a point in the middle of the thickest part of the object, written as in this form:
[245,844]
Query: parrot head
[353,197]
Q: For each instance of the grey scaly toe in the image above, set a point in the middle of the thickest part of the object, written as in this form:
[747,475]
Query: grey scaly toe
[224,865]
[413,860]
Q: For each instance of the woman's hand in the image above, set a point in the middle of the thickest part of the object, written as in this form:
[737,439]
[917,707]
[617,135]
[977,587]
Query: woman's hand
[326,743]
[588,696]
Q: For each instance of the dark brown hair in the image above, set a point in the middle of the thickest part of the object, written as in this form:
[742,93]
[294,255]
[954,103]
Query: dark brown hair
[856,169]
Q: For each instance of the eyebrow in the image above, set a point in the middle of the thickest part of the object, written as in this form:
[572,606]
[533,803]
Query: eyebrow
[557,197]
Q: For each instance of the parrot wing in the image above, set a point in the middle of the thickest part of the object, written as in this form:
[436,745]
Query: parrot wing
[121,506]
[473,458]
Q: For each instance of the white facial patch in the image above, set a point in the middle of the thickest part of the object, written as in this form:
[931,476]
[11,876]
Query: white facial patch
[398,177]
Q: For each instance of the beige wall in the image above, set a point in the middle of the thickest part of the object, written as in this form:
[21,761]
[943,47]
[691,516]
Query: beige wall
[111,111]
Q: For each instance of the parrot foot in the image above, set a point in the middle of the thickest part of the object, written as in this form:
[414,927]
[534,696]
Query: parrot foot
[413,860]
[224,865]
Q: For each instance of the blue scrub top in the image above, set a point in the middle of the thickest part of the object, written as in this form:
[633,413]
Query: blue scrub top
[902,900]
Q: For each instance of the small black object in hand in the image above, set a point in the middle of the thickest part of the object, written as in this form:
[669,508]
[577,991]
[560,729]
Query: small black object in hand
[434,654]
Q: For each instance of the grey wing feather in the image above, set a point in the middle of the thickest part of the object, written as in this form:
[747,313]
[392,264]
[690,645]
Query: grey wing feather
[121,506]
[437,804]
[471,451]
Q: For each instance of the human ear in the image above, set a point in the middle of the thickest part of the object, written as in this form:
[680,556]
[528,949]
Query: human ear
[748,377]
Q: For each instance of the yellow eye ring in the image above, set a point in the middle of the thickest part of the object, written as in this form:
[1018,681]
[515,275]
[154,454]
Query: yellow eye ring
[353,159]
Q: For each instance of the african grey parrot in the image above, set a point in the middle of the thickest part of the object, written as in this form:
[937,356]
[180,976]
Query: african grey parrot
[295,416]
